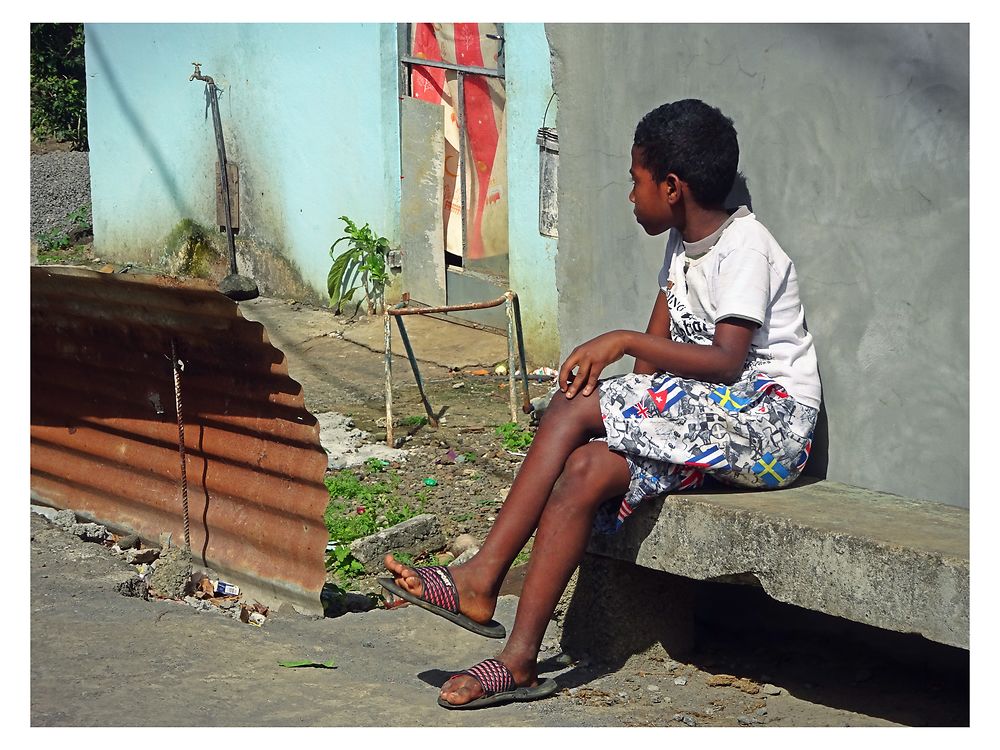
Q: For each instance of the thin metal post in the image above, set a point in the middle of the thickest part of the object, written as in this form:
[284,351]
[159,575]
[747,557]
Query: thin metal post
[416,372]
[510,356]
[526,403]
[389,438]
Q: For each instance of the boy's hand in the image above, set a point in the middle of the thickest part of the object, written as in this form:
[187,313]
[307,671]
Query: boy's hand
[589,359]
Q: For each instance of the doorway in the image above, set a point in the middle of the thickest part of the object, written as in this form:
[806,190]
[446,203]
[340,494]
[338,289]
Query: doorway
[454,216]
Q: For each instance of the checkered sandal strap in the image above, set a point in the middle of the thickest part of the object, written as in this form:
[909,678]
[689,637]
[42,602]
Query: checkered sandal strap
[493,675]
[439,587]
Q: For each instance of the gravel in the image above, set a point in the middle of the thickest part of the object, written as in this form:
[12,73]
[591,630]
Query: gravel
[60,184]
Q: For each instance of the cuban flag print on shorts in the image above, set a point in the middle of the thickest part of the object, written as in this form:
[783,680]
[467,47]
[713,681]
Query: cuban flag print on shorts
[723,396]
[666,394]
[770,471]
[710,458]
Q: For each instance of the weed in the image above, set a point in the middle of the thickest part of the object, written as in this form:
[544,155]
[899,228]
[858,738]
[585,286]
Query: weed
[342,563]
[375,465]
[470,457]
[81,218]
[462,517]
[357,509]
[413,421]
[515,437]
[53,241]
[404,557]
[365,257]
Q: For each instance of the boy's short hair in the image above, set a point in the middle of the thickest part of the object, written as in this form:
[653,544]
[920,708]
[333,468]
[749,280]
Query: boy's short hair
[696,142]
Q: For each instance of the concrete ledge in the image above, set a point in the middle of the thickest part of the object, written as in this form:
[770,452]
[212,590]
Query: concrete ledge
[869,557]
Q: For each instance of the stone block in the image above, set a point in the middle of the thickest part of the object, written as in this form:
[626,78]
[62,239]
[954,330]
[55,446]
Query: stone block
[414,536]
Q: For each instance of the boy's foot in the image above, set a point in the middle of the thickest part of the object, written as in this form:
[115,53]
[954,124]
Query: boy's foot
[493,682]
[449,592]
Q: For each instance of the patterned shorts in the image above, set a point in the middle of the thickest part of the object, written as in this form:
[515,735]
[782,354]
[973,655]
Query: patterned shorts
[673,431]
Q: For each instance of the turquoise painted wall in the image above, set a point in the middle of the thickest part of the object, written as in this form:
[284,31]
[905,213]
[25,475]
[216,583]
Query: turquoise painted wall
[532,255]
[309,114]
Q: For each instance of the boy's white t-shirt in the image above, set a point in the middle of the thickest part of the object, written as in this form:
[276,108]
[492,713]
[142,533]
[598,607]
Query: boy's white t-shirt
[740,271]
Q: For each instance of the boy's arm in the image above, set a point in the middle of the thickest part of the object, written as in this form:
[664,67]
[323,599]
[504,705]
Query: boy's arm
[719,362]
[659,325]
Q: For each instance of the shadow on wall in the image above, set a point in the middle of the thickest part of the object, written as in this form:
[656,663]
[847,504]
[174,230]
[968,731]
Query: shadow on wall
[819,456]
[131,116]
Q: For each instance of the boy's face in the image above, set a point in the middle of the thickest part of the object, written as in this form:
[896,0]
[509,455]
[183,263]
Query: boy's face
[655,202]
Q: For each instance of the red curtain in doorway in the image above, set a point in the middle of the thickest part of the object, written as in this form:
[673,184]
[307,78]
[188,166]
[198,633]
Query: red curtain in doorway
[467,44]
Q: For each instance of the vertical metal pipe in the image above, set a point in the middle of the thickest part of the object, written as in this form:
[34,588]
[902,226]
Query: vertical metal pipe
[510,356]
[389,438]
[224,171]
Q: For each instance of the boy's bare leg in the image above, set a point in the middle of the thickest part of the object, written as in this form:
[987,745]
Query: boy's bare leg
[592,475]
[566,425]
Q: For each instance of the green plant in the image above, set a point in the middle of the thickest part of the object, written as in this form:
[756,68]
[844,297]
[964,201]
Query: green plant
[413,421]
[343,564]
[514,437]
[58,83]
[358,508]
[81,218]
[53,241]
[375,465]
[470,456]
[365,257]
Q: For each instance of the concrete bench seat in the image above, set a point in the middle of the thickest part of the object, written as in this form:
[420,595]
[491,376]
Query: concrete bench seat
[870,557]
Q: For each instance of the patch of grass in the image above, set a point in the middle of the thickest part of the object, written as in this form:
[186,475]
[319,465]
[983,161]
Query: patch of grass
[514,437]
[470,457]
[416,421]
[462,517]
[375,465]
[357,508]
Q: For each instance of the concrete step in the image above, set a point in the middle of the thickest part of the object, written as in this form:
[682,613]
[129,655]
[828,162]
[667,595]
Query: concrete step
[870,557]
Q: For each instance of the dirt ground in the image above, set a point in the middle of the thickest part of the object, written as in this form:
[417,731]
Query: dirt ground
[102,659]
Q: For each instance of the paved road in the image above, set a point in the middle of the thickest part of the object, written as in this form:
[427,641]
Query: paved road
[102,659]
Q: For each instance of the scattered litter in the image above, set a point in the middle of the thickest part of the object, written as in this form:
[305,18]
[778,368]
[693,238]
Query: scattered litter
[253,614]
[225,589]
[430,482]
[307,663]
[477,372]
[459,384]
[681,681]
[500,369]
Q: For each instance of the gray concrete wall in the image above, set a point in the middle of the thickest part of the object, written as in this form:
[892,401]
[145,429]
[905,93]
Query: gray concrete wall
[855,146]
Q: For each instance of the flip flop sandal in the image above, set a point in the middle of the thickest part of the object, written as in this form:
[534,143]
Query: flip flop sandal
[499,687]
[440,596]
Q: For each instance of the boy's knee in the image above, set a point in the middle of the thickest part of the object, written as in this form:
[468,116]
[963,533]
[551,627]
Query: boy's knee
[585,475]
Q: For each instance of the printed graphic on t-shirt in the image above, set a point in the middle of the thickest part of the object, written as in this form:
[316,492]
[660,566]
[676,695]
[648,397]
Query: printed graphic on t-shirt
[688,328]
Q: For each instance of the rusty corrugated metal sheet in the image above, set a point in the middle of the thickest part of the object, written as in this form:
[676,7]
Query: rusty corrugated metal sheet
[104,439]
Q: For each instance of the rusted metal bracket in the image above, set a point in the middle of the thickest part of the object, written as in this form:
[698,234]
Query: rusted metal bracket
[509,299]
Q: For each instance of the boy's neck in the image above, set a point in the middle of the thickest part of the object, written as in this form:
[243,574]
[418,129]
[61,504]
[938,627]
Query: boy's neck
[700,222]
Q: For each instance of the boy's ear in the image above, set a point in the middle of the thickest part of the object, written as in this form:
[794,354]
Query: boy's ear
[671,187]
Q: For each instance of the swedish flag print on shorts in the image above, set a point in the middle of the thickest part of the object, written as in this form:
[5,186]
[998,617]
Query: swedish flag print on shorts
[675,431]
